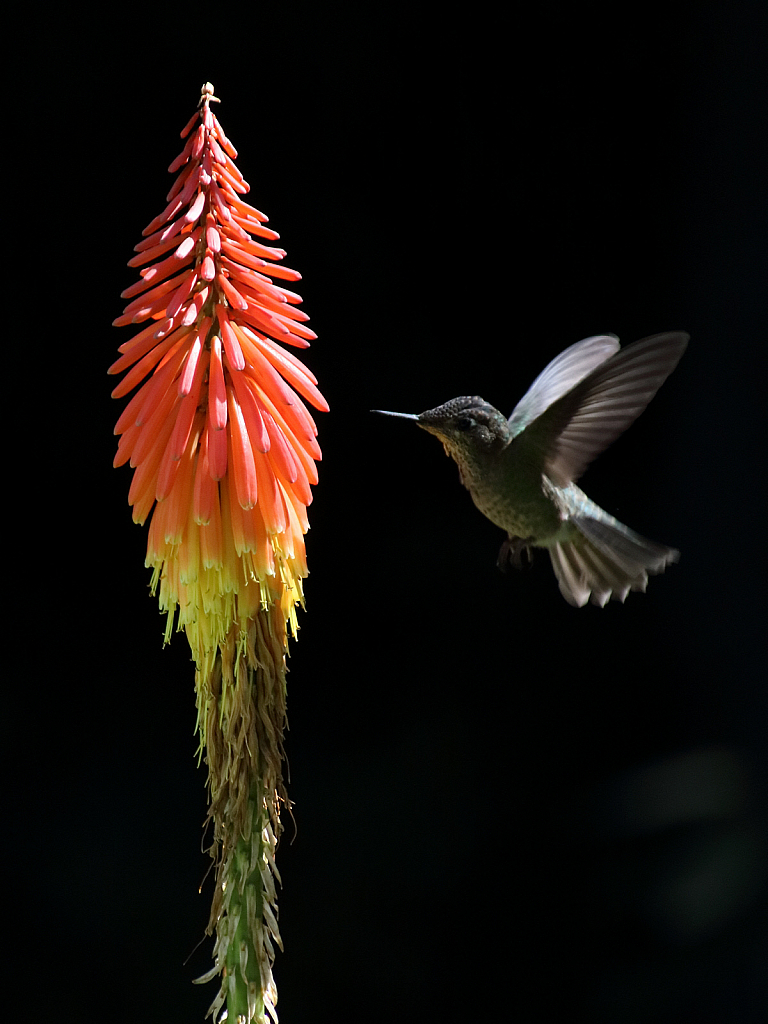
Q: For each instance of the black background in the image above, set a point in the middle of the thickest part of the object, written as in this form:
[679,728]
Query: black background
[506,808]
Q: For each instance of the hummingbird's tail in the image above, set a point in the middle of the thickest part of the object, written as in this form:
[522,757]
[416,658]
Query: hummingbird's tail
[604,560]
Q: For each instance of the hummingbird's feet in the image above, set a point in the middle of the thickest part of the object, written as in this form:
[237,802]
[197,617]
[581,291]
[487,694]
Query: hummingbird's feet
[512,551]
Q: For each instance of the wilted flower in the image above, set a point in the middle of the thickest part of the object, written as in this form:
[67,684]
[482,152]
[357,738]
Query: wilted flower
[223,451]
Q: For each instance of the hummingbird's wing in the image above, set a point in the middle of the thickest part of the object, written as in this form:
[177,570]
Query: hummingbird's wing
[562,374]
[573,430]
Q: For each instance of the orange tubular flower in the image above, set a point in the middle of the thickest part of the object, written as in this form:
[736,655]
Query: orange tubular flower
[223,451]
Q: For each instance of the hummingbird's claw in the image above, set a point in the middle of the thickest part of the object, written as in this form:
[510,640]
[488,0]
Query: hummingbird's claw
[511,553]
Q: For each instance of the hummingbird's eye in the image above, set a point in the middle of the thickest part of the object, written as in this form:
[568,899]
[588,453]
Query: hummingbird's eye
[464,423]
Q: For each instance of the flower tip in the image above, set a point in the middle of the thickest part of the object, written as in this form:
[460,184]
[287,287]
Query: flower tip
[206,94]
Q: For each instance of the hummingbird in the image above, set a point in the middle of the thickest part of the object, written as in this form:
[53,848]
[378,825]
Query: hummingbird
[521,471]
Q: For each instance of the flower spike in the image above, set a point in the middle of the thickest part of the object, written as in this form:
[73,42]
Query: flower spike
[223,450]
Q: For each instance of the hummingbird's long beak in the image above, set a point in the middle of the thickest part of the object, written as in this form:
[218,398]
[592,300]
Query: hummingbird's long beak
[400,415]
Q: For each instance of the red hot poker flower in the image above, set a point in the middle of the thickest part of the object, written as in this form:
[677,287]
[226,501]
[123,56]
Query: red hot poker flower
[218,436]
[223,450]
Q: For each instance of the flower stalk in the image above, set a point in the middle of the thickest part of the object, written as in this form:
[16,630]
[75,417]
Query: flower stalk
[223,450]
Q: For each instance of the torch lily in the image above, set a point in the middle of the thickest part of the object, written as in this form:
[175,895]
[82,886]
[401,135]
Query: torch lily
[223,451]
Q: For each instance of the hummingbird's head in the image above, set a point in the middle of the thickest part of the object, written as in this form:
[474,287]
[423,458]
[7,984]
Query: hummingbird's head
[468,427]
